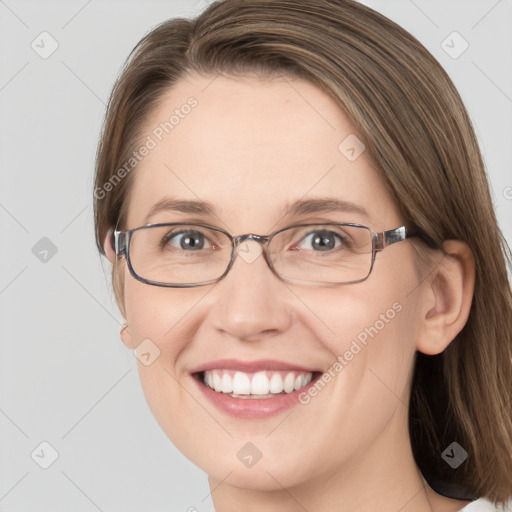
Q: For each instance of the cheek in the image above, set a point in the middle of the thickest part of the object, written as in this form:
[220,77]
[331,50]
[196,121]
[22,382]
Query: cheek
[351,320]
[368,380]
[370,331]
[159,319]
[156,313]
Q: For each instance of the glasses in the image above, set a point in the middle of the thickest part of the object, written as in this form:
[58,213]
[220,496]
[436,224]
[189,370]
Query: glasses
[186,255]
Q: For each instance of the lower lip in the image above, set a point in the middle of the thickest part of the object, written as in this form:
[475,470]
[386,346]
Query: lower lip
[252,407]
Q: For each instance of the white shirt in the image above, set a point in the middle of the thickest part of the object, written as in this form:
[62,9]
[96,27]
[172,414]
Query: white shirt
[483,505]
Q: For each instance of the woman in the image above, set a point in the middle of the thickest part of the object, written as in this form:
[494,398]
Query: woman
[306,255]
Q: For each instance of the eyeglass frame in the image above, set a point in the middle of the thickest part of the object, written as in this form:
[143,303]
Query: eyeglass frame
[379,242]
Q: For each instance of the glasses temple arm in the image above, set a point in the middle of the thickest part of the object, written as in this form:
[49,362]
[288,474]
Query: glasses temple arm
[119,241]
[392,236]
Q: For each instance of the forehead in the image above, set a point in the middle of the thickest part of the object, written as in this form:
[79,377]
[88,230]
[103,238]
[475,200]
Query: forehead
[249,146]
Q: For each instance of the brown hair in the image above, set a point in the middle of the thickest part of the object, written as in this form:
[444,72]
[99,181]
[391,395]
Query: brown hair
[416,128]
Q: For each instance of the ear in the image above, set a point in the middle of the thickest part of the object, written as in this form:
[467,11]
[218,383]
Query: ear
[126,336]
[108,245]
[448,293]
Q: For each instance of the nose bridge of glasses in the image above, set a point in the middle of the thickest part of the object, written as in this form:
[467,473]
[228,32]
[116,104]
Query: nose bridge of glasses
[240,239]
[247,251]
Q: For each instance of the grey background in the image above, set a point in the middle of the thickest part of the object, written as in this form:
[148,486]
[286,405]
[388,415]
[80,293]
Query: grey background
[65,377]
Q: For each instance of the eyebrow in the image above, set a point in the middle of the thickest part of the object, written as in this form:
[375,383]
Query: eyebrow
[322,205]
[297,208]
[192,207]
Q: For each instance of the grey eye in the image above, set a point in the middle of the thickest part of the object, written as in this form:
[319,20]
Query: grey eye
[192,240]
[322,240]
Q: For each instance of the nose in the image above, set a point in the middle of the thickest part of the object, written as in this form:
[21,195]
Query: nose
[252,302]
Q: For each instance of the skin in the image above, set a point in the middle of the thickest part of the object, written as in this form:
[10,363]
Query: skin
[250,146]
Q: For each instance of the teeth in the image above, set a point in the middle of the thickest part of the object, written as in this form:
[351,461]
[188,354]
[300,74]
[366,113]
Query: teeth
[289,382]
[263,384]
[227,383]
[241,384]
[217,382]
[260,384]
[276,383]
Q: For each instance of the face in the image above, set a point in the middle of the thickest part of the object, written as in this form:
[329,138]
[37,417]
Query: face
[252,147]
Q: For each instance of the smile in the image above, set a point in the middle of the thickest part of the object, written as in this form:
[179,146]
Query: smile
[253,389]
[258,385]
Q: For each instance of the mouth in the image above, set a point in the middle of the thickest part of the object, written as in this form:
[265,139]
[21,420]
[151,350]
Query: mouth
[253,389]
[265,384]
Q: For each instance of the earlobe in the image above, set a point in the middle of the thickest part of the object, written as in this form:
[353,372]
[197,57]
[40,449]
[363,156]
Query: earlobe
[126,336]
[448,296]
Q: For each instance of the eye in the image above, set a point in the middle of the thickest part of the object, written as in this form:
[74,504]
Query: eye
[187,240]
[323,240]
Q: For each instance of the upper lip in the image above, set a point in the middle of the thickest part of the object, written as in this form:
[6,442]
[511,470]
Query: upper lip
[249,366]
